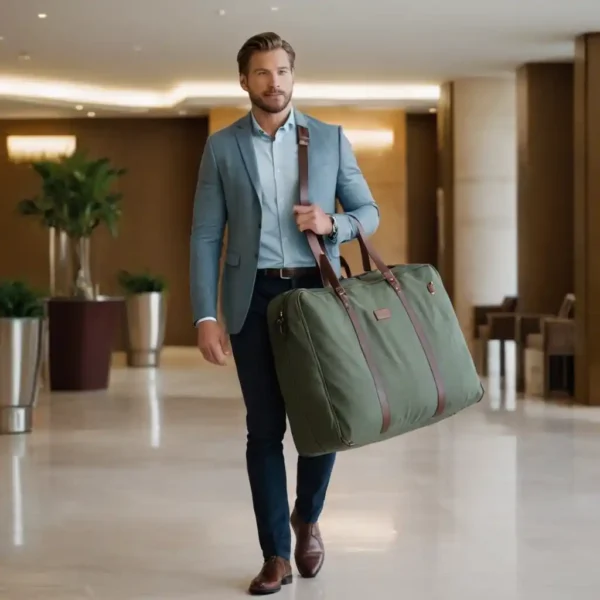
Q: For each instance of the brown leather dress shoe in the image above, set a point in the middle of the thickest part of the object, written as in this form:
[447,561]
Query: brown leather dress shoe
[310,550]
[275,572]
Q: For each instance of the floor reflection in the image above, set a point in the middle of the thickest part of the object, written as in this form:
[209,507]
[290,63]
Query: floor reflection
[140,493]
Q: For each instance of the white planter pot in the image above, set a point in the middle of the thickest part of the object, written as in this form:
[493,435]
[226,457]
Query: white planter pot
[21,347]
[146,320]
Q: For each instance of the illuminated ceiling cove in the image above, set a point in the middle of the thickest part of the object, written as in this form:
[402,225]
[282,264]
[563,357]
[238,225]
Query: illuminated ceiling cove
[115,57]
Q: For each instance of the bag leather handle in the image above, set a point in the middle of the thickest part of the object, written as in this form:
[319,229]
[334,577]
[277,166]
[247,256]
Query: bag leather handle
[346,267]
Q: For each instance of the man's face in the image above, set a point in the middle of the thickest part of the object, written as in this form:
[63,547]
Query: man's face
[270,80]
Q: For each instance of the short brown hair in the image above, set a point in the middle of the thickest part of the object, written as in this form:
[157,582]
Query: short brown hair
[262,42]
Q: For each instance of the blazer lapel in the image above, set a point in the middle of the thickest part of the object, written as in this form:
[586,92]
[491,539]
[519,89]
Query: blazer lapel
[243,136]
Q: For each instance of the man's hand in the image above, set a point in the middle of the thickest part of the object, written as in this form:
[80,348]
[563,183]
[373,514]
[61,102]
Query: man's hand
[213,342]
[313,218]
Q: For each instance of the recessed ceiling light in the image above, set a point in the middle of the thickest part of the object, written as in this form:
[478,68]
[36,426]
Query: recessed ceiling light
[42,15]
[433,110]
[274,8]
[1,38]
[79,107]
[24,56]
[222,12]
[91,114]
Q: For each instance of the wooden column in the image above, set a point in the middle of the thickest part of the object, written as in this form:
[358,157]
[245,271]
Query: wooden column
[421,188]
[445,192]
[545,185]
[587,219]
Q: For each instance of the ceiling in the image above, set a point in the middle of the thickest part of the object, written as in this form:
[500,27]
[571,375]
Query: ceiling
[146,56]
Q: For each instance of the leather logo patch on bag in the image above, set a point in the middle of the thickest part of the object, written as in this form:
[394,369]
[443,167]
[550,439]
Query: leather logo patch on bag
[382,313]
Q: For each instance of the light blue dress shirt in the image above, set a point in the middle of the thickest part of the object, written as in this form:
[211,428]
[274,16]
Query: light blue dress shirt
[282,245]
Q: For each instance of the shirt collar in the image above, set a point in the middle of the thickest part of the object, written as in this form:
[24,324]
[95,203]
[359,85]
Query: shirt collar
[290,123]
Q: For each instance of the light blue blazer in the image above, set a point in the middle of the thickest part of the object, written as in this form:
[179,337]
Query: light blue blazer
[228,193]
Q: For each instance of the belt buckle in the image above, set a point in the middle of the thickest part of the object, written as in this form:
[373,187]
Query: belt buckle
[281,274]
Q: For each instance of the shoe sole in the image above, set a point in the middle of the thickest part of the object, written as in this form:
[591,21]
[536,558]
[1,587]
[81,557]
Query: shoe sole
[285,581]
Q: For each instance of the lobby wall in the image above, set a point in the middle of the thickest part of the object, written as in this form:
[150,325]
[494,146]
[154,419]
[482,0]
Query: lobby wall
[162,158]
[384,168]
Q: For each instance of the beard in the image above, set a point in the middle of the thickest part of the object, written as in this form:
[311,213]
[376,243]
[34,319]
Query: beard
[273,104]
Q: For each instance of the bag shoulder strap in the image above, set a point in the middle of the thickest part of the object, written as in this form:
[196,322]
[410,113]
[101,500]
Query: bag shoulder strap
[329,277]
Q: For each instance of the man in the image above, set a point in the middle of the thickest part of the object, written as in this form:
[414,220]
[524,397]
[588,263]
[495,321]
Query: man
[249,179]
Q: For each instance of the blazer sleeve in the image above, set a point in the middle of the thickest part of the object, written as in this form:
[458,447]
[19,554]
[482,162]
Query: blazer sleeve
[354,195]
[208,226]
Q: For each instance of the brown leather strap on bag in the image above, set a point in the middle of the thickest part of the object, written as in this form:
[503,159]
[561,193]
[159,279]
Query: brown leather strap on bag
[330,278]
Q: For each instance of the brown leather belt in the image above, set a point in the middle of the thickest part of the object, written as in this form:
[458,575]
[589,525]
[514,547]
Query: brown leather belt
[290,273]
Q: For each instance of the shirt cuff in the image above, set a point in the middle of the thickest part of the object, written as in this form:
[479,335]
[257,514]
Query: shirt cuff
[204,319]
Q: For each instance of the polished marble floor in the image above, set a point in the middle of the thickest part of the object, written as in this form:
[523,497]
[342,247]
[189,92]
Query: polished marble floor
[140,493]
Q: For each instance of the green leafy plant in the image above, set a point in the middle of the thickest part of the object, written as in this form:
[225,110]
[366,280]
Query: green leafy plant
[76,197]
[141,283]
[20,301]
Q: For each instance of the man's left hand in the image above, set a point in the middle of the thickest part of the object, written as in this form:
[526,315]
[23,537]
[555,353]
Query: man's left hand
[313,218]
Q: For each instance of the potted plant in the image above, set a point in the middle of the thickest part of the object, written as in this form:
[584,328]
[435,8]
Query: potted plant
[21,347]
[146,310]
[77,197]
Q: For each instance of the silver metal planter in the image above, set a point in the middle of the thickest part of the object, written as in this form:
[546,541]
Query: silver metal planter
[21,348]
[146,320]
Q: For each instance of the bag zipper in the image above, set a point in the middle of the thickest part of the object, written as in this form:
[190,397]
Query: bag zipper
[281,322]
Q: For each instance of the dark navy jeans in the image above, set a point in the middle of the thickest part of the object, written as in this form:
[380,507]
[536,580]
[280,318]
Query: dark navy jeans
[266,424]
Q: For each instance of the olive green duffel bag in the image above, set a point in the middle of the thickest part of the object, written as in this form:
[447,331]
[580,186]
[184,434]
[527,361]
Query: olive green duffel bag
[369,357]
[371,361]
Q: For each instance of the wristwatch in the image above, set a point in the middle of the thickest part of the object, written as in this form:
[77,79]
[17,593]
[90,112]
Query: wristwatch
[334,230]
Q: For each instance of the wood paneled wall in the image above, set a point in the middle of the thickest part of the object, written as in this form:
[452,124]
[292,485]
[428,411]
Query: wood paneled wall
[162,158]
[421,188]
